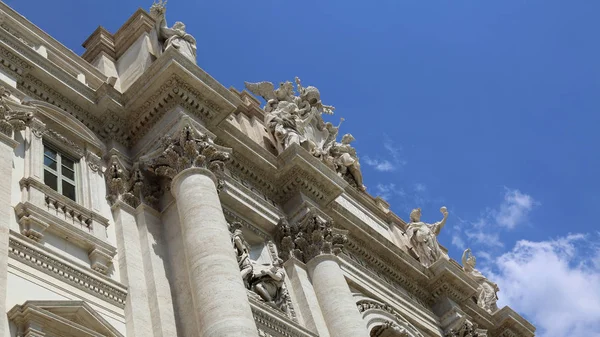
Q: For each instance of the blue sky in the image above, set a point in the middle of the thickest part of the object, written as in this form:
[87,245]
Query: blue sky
[487,107]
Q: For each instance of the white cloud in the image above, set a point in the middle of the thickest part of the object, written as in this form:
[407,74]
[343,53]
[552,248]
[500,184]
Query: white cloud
[458,242]
[380,165]
[386,191]
[420,187]
[484,238]
[514,209]
[555,284]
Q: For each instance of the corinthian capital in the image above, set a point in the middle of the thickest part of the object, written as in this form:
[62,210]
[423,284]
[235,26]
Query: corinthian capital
[13,116]
[186,149]
[309,237]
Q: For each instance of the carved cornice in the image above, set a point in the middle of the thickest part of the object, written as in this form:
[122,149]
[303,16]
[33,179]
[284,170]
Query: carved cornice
[450,281]
[13,62]
[511,324]
[387,269]
[99,286]
[36,88]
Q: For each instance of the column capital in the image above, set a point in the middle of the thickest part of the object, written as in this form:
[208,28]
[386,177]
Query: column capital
[187,148]
[14,116]
[309,237]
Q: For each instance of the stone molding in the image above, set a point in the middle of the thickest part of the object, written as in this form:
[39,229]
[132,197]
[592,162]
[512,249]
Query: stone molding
[64,318]
[66,271]
[377,264]
[271,323]
[450,281]
[44,209]
[399,324]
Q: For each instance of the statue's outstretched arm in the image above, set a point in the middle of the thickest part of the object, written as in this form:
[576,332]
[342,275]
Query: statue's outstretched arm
[465,256]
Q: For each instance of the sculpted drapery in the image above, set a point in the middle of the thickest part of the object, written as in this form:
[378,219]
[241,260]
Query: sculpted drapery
[423,237]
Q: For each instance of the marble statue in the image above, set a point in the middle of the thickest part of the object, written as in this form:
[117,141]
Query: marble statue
[346,161]
[487,290]
[242,251]
[423,237]
[265,280]
[297,119]
[174,37]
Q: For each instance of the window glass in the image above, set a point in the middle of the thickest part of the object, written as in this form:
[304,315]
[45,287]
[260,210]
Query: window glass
[68,190]
[51,180]
[59,172]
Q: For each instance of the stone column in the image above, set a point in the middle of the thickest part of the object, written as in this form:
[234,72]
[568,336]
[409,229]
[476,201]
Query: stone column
[335,299]
[220,300]
[315,242]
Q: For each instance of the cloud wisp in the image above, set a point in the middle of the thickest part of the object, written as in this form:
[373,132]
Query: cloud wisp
[512,212]
[392,160]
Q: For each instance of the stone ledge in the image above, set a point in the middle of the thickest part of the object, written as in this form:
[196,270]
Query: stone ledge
[66,270]
[272,323]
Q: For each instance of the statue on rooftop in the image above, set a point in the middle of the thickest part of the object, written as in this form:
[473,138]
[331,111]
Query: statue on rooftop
[487,290]
[174,37]
[346,161]
[297,119]
[423,237]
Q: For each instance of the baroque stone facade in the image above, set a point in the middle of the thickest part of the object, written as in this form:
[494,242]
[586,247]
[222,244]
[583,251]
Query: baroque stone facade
[140,197]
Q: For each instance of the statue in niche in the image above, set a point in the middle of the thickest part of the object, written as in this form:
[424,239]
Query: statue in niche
[265,280]
[423,237]
[487,290]
[242,251]
[174,37]
[297,119]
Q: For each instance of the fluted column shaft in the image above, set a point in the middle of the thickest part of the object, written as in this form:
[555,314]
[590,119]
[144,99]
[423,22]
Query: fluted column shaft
[335,299]
[220,299]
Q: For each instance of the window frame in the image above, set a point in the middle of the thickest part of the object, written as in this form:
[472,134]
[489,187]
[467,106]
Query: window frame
[58,172]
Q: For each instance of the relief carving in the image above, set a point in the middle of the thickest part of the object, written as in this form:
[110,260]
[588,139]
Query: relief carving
[131,187]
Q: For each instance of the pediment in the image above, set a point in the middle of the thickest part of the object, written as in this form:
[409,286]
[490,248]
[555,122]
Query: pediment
[70,318]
